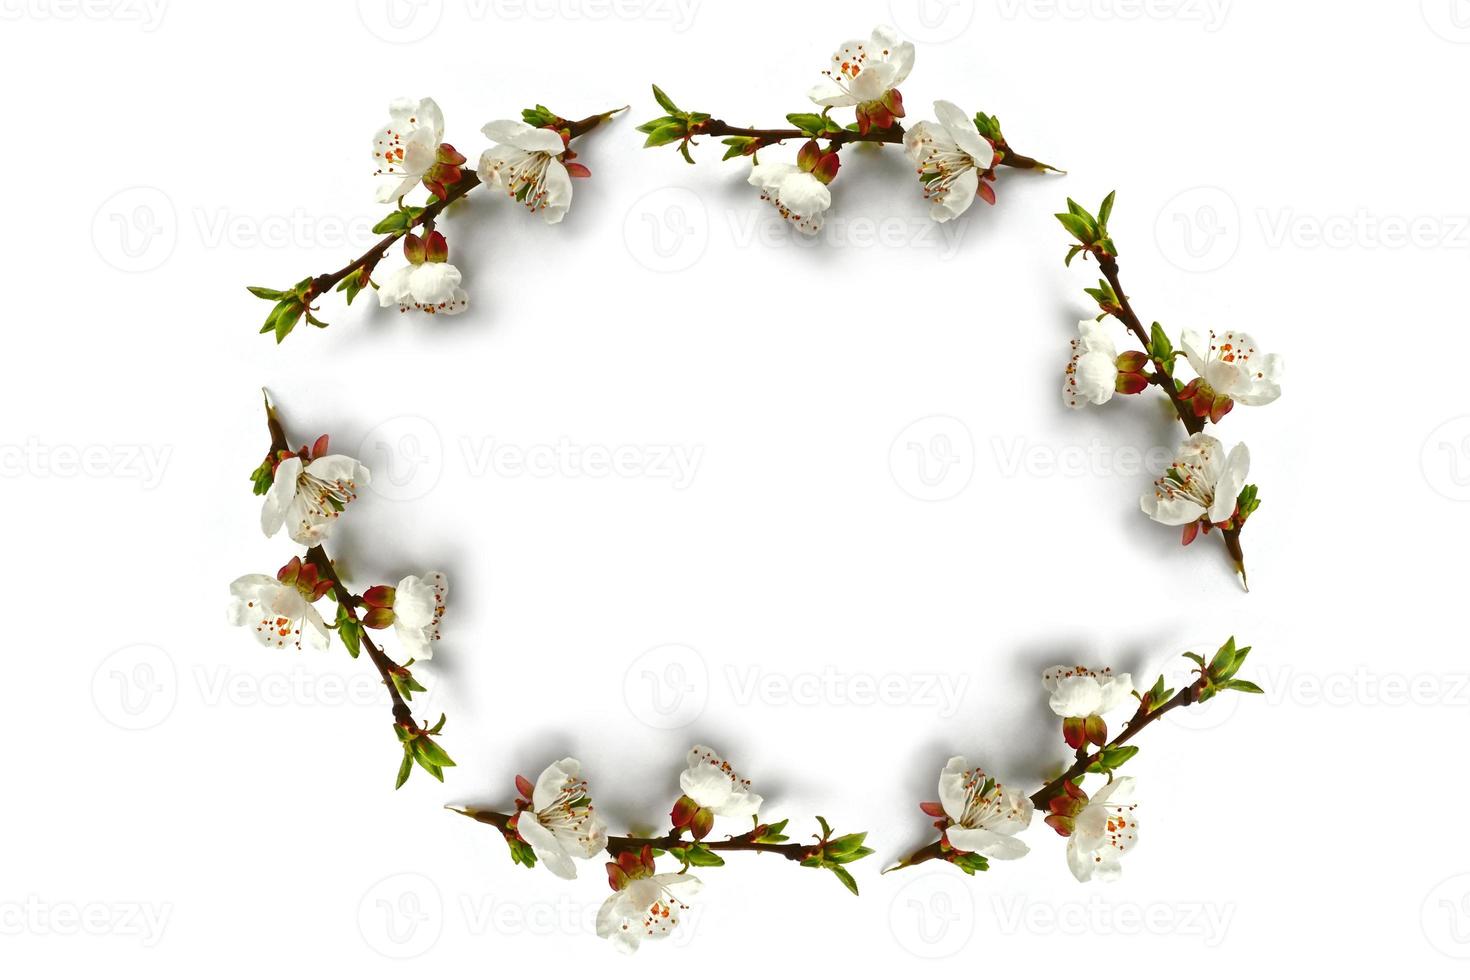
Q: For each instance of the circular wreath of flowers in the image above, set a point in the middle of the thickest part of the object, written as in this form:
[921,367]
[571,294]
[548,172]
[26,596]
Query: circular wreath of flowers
[552,821]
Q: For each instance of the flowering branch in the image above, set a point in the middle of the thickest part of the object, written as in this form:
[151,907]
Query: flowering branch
[955,158]
[306,492]
[532,163]
[978,818]
[555,821]
[1205,488]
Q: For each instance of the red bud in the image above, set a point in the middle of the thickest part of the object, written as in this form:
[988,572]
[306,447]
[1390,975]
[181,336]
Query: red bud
[449,155]
[808,156]
[524,787]
[932,809]
[683,812]
[319,448]
[1062,825]
[826,169]
[1097,730]
[986,192]
[436,248]
[1191,531]
[702,824]
[413,248]
[378,618]
[1074,731]
[379,595]
[577,170]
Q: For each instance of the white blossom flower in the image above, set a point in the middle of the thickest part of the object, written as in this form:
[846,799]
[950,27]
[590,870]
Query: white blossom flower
[1203,482]
[1077,692]
[307,497]
[798,195]
[278,613]
[645,908]
[864,71]
[527,164]
[714,785]
[561,823]
[950,156]
[1092,374]
[418,605]
[985,816]
[1233,366]
[430,287]
[407,148]
[1104,830]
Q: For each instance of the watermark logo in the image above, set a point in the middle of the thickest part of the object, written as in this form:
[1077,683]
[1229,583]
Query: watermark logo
[1445,917]
[933,915]
[1208,922]
[144,921]
[1450,19]
[136,229]
[400,21]
[405,455]
[1445,459]
[667,230]
[136,687]
[932,21]
[667,687]
[933,459]
[1199,230]
[401,916]
[1209,14]
[148,14]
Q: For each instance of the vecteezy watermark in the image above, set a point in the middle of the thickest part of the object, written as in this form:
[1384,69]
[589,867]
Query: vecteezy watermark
[557,917]
[34,916]
[408,21]
[677,14]
[143,463]
[932,21]
[219,686]
[764,228]
[136,229]
[1209,14]
[136,687]
[401,916]
[933,915]
[400,21]
[667,687]
[405,455]
[1016,456]
[147,14]
[1450,19]
[566,459]
[933,458]
[299,229]
[1445,917]
[1199,230]
[1207,922]
[1445,459]
[1363,229]
[667,230]
[838,688]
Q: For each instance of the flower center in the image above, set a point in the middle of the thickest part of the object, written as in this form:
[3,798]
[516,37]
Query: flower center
[1187,480]
[940,166]
[525,179]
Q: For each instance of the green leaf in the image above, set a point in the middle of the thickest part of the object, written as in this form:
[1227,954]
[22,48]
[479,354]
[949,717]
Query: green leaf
[844,876]
[1113,757]
[404,770]
[845,845]
[1079,227]
[698,855]
[666,103]
[1160,348]
[1223,661]
[1072,253]
[265,293]
[398,221]
[1245,687]
[808,122]
[1106,211]
[665,135]
[773,834]
[350,630]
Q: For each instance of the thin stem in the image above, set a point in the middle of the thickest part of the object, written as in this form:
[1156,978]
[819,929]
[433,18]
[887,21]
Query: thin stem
[1042,798]
[893,134]
[317,555]
[468,181]
[1164,379]
[616,845]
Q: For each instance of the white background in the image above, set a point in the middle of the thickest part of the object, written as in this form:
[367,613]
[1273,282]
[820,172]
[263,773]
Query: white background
[1269,159]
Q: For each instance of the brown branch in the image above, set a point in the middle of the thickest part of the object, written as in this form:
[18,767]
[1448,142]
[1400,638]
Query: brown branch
[1164,379]
[317,555]
[469,181]
[893,134]
[1042,798]
[616,845]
